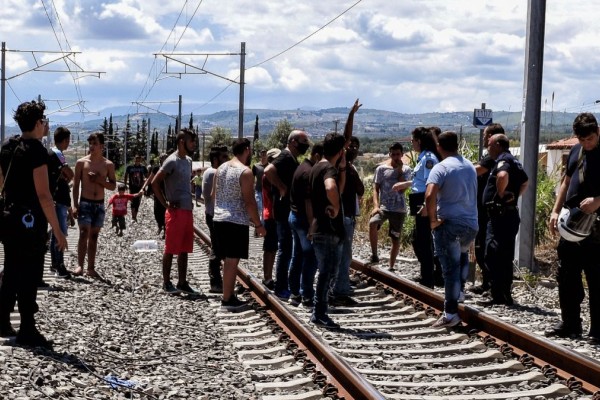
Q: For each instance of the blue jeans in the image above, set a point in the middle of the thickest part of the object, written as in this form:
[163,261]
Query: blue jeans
[56,255]
[451,241]
[284,256]
[304,265]
[342,280]
[328,249]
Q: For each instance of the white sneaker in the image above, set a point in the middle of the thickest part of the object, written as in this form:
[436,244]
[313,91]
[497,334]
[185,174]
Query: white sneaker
[461,297]
[445,322]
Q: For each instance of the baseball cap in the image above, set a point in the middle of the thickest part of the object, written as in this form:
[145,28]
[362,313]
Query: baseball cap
[273,153]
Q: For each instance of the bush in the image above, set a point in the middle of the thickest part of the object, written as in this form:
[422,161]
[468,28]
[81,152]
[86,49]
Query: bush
[545,197]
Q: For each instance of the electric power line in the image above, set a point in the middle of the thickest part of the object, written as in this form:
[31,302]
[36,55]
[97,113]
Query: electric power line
[282,52]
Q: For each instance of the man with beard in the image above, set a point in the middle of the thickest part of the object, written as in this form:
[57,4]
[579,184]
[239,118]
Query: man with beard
[280,174]
[235,210]
[176,172]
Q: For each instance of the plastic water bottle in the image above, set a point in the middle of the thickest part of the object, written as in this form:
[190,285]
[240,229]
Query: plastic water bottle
[145,245]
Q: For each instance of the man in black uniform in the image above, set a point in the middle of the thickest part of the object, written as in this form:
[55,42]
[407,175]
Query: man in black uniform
[483,169]
[506,183]
[580,187]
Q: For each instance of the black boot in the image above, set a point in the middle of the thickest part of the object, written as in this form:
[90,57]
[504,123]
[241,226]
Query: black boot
[216,281]
[6,329]
[29,336]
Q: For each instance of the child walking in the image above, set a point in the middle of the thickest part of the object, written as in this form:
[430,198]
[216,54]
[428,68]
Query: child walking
[119,201]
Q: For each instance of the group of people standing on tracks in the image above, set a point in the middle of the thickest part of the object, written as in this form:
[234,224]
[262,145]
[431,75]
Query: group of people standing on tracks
[305,212]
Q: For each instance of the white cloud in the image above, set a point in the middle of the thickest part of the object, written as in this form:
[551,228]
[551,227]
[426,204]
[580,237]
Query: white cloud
[408,56]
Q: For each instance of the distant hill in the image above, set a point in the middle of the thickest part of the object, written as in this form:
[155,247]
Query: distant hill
[367,122]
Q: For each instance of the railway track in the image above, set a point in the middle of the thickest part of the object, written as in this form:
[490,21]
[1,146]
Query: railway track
[387,348]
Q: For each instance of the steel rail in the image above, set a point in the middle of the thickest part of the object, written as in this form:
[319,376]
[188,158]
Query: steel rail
[569,364]
[350,383]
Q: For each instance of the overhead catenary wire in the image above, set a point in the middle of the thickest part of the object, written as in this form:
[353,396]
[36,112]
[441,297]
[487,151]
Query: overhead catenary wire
[74,74]
[281,52]
[163,46]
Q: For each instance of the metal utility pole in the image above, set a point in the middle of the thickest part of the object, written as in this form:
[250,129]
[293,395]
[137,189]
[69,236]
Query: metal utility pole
[148,141]
[190,69]
[179,117]
[481,137]
[3,93]
[65,56]
[530,127]
[241,105]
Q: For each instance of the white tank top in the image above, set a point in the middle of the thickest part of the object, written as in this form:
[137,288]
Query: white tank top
[229,204]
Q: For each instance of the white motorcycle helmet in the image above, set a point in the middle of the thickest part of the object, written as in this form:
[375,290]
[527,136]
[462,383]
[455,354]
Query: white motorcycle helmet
[574,225]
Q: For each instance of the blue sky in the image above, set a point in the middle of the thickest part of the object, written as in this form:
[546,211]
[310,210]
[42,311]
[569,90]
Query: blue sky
[408,56]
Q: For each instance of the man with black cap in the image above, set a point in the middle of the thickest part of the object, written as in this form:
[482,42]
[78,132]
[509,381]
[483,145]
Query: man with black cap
[580,187]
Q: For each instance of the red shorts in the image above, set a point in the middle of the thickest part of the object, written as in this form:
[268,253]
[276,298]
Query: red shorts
[179,231]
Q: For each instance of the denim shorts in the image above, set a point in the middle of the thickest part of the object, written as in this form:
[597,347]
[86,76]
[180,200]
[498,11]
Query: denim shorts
[91,214]
[396,222]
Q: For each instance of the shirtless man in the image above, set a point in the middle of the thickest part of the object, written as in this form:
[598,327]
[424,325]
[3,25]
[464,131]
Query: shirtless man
[94,173]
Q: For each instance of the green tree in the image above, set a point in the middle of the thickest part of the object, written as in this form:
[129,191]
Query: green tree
[171,145]
[191,124]
[278,138]
[219,137]
[113,145]
[129,141]
[154,144]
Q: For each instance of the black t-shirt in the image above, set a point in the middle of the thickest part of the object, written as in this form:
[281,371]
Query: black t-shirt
[301,187]
[353,187]
[590,162]
[59,187]
[286,165]
[19,187]
[516,177]
[258,170]
[136,175]
[320,172]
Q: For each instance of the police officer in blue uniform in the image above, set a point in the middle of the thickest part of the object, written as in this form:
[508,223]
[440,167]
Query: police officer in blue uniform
[483,169]
[424,142]
[506,183]
[580,187]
